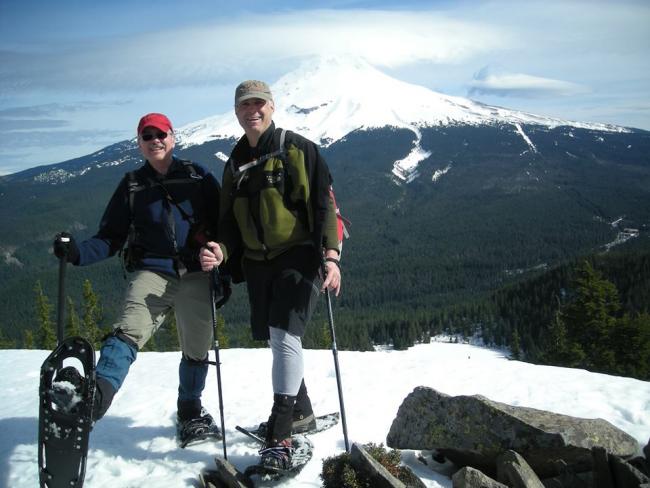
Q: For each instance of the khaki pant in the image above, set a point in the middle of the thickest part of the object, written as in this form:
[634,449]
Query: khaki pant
[151,296]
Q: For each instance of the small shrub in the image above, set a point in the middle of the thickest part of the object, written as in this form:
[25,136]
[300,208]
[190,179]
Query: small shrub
[338,472]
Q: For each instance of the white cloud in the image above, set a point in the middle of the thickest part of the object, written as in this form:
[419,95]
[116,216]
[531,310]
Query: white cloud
[223,50]
[488,82]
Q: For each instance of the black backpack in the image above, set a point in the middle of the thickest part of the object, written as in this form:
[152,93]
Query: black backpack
[131,253]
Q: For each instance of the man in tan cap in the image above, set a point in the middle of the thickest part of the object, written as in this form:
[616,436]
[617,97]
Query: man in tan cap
[278,224]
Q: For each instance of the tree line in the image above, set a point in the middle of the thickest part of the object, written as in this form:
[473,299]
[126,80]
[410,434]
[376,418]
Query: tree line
[591,313]
[87,320]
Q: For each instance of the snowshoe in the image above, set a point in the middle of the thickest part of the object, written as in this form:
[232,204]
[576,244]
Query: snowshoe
[197,430]
[66,398]
[321,423]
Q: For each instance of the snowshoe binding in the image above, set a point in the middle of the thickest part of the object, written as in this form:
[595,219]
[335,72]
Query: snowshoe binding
[197,430]
[286,459]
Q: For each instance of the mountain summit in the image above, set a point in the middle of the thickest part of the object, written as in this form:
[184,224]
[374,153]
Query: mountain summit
[327,98]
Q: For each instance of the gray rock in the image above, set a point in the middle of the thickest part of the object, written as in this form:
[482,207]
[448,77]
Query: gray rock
[473,431]
[568,479]
[640,463]
[379,476]
[602,475]
[227,476]
[514,471]
[473,478]
[626,475]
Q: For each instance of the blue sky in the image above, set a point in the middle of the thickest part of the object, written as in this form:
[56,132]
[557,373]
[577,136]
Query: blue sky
[75,76]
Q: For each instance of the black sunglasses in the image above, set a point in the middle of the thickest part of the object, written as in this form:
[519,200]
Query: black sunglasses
[157,135]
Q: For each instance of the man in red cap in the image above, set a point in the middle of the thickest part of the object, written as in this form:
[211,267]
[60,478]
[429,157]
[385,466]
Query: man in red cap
[163,211]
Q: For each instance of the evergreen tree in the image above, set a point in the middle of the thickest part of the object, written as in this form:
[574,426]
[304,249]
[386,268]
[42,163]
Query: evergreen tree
[221,332]
[318,337]
[591,317]
[28,339]
[151,344]
[91,314]
[72,324]
[45,335]
[515,344]
[558,349]
[631,345]
[5,342]
[170,340]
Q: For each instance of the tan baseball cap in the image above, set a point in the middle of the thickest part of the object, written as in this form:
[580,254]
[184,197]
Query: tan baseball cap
[252,89]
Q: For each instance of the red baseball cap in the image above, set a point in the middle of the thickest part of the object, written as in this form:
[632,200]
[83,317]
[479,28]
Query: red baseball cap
[159,121]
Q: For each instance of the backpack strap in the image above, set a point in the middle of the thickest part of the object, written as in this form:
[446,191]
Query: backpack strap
[189,167]
[133,186]
[239,172]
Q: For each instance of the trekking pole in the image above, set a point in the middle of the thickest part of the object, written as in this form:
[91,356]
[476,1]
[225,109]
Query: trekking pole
[214,291]
[335,353]
[60,315]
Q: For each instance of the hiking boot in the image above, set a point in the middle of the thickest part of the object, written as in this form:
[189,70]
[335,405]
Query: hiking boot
[71,375]
[278,427]
[66,388]
[303,413]
[200,428]
[277,456]
[303,424]
[298,426]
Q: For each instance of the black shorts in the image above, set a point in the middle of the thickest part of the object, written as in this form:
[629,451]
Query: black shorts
[282,291]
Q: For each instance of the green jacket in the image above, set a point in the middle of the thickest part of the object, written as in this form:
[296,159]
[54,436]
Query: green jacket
[282,202]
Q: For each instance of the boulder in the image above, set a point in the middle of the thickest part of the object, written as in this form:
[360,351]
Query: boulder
[474,430]
[602,474]
[568,479]
[626,475]
[514,471]
[473,478]
[379,476]
[225,476]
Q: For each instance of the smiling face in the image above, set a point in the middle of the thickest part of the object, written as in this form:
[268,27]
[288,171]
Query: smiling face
[157,147]
[255,116]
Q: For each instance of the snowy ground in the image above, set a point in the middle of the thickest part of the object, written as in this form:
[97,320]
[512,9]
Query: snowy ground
[134,445]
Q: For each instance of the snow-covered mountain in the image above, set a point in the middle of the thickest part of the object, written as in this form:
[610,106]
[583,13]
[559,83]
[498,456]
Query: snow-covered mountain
[327,98]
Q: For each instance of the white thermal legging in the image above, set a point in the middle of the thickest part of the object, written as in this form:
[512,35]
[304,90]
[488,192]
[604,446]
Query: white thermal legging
[288,366]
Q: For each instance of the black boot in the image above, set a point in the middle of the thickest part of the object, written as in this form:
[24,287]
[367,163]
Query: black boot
[278,451]
[303,414]
[194,423]
[104,393]
[66,389]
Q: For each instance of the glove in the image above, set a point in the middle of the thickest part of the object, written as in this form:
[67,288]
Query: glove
[65,247]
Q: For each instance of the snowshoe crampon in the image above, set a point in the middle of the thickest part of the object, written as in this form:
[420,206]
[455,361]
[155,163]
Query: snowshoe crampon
[65,415]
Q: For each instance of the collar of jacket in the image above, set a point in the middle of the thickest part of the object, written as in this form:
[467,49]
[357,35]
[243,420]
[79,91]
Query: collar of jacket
[173,168]
[243,152]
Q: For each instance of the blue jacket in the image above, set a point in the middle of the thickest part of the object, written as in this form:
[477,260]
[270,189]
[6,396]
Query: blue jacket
[164,235]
